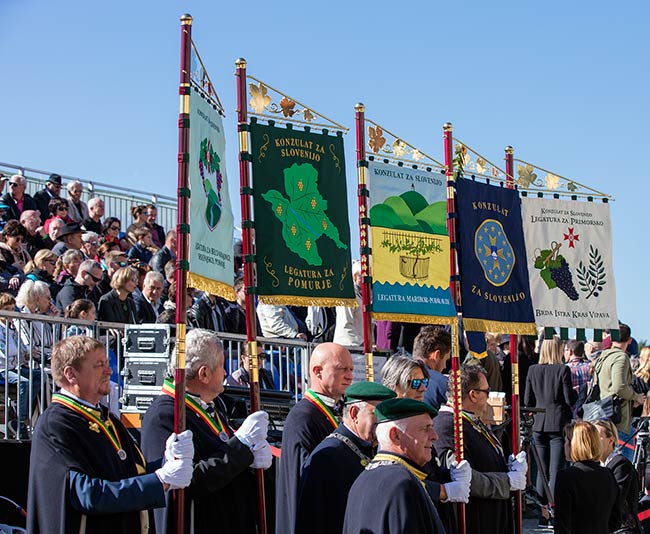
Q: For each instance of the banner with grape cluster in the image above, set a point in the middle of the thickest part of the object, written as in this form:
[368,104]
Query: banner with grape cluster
[493,268]
[210,213]
[302,234]
[569,246]
[410,245]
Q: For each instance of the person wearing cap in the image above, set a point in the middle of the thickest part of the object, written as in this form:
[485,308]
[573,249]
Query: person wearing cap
[221,497]
[42,198]
[309,422]
[333,466]
[389,497]
[16,198]
[68,238]
[493,476]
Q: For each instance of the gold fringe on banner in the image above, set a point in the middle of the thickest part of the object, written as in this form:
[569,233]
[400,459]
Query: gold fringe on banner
[502,327]
[288,300]
[420,319]
[211,286]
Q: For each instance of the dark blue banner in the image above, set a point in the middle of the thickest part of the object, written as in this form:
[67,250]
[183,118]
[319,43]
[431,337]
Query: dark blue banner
[493,267]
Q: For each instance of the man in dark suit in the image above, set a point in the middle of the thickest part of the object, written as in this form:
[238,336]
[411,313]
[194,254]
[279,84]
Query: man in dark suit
[147,303]
[16,198]
[157,231]
[42,198]
[165,254]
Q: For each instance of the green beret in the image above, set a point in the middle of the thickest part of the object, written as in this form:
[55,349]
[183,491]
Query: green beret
[368,391]
[394,409]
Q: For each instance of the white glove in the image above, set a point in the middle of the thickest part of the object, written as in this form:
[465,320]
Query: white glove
[262,456]
[517,480]
[461,472]
[461,476]
[177,473]
[254,429]
[518,463]
[179,446]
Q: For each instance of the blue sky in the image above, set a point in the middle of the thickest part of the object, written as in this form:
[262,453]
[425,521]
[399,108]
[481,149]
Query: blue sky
[90,89]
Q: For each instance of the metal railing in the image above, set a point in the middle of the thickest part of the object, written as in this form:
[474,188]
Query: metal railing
[117,200]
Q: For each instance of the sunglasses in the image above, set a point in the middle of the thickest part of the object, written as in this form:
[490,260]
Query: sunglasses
[62,208]
[93,243]
[486,391]
[95,278]
[13,184]
[417,382]
[116,228]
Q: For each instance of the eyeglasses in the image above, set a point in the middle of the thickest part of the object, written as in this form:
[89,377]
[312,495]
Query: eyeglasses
[417,382]
[93,243]
[116,228]
[486,391]
[13,184]
[95,278]
[62,208]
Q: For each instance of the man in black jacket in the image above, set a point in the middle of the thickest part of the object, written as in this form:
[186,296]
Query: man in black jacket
[166,253]
[157,231]
[208,312]
[16,198]
[42,198]
[81,286]
[147,302]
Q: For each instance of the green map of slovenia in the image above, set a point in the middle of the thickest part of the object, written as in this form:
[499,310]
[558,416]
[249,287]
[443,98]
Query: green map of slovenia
[303,213]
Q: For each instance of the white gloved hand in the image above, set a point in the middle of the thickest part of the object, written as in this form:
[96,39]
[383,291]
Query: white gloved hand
[461,472]
[517,480]
[254,429]
[518,463]
[262,455]
[177,473]
[179,446]
[457,491]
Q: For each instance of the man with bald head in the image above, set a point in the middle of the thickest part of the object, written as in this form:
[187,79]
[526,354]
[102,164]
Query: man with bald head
[309,422]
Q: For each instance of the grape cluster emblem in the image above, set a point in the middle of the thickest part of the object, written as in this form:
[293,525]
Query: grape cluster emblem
[554,270]
[209,161]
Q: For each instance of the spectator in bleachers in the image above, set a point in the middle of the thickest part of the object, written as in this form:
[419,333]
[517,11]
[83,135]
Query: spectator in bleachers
[142,269]
[139,221]
[111,261]
[82,309]
[81,286]
[208,313]
[93,223]
[117,305]
[241,376]
[37,336]
[57,209]
[147,303]
[165,254]
[67,265]
[53,232]
[77,209]
[168,314]
[13,250]
[140,250]
[34,242]
[41,268]
[69,238]
[157,231]
[170,276]
[235,313]
[16,199]
[42,198]
[111,232]
[89,245]
[15,368]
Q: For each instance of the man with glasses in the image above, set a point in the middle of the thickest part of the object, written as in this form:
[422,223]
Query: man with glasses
[111,262]
[16,199]
[42,198]
[89,245]
[81,286]
[493,476]
[432,346]
[241,376]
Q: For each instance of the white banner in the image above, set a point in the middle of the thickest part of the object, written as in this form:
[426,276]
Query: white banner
[569,250]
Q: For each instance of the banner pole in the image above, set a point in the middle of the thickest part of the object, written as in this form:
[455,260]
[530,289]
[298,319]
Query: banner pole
[514,363]
[454,285]
[248,249]
[182,249]
[364,249]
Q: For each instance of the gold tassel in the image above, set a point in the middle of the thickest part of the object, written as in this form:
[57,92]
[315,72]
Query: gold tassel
[288,300]
[408,318]
[213,287]
[502,327]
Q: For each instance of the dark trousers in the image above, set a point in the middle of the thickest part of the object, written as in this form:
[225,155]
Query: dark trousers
[550,446]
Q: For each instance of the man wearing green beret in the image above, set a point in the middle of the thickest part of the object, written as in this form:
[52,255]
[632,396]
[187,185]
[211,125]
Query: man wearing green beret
[334,465]
[389,496]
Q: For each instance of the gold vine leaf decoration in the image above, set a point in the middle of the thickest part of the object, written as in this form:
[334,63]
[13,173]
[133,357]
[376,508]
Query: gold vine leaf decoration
[399,147]
[552,181]
[377,139]
[287,107]
[572,187]
[307,115]
[526,175]
[495,172]
[259,99]
[417,155]
[480,165]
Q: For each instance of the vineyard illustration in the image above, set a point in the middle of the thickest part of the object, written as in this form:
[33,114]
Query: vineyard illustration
[405,218]
[209,161]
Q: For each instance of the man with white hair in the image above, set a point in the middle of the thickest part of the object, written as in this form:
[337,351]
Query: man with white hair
[16,198]
[31,220]
[89,245]
[222,494]
[77,208]
[147,302]
[93,223]
[389,497]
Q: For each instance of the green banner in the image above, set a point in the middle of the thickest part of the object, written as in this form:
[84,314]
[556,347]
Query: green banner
[302,235]
[211,220]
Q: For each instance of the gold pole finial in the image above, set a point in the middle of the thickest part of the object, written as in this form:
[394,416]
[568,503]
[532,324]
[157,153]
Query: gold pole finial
[447,127]
[359,107]
[186,19]
[509,150]
[240,63]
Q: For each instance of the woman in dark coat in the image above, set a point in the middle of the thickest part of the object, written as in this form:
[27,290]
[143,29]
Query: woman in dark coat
[586,494]
[625,475]
[548,386]
[117,305]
